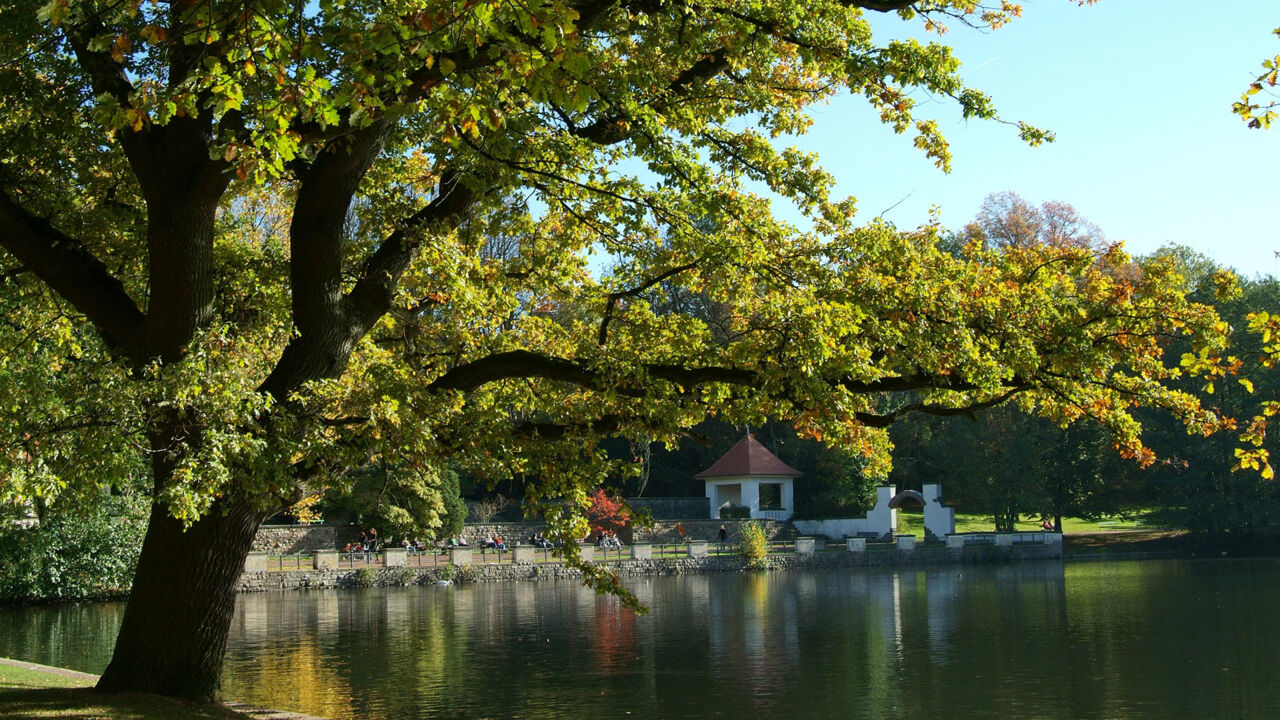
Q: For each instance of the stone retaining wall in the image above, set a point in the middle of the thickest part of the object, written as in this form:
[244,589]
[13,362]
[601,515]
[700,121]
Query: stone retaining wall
[288,539]
[673,508]
[510,572]
[511,532]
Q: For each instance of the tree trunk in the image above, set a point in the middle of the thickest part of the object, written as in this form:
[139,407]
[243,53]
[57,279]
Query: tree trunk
[174,633]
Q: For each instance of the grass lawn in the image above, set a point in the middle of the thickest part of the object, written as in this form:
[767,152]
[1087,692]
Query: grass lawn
[912,521]
[20,676]
[31,692]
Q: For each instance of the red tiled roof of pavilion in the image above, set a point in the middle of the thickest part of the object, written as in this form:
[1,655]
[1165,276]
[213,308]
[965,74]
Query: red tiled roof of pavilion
[749,458]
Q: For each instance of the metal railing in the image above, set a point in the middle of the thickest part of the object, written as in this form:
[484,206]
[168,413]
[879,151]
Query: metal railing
[292,561]
[439,556]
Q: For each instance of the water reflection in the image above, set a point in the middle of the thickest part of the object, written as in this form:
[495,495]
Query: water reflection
[1111,640]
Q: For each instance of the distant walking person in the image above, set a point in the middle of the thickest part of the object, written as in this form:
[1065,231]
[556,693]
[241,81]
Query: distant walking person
[724,537]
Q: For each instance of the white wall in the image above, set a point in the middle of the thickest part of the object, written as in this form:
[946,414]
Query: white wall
[939,520]
[881,520]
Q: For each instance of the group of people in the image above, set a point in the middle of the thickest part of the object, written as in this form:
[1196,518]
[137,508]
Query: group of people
[608,540]
[413,547]
[368,543]
[538,541]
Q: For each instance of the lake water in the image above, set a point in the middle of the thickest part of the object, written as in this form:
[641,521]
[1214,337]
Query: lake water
[1152,639]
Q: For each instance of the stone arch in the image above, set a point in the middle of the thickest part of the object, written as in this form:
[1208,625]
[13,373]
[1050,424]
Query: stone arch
[907,496]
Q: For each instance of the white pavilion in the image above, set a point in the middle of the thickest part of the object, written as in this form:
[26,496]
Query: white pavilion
[749,475]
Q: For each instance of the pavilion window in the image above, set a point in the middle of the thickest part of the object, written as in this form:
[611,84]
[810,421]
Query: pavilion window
[770,496]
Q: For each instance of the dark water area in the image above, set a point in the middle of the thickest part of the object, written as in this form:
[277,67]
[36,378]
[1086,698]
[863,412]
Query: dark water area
[1151,639]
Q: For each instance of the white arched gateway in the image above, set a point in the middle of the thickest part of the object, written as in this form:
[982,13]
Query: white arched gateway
[749,475]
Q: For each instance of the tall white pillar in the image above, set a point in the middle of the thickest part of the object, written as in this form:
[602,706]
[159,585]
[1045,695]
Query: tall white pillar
[751,496]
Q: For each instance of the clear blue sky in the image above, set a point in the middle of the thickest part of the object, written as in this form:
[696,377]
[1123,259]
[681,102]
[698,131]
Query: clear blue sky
[1139,93]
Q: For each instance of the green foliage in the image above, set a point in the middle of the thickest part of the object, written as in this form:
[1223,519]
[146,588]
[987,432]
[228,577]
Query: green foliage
[400,502]
[1260,113]
[74,553]
[1220,484]
[734,512]
[753,544]
[467,573]
[1008,463]
[364,577]
[447,573]
[836,482]
[400,576]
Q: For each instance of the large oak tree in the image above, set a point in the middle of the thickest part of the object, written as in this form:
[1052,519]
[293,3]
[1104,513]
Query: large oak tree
[250,244]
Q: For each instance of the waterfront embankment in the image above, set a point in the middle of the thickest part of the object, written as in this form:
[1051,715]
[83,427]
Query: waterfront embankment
[403,571]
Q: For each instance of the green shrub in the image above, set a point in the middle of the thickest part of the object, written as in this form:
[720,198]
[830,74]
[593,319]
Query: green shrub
[447,573]
[735,512]
[753,544]
[365,577]
[468,573]
[401,576]
[74,555]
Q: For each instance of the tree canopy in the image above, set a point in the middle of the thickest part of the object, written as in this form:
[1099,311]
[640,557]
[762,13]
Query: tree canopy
[251,244]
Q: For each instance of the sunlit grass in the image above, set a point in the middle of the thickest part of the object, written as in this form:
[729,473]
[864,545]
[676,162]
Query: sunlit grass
[33,694]
[13,677]
[912,521]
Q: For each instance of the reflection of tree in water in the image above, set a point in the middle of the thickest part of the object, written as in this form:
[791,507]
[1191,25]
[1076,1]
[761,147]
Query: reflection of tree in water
[294,669]
[614,636]
[754,642]
[79,637]
[325,652]
[297,674]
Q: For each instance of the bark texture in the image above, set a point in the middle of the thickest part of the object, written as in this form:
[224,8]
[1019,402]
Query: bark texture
[174,633]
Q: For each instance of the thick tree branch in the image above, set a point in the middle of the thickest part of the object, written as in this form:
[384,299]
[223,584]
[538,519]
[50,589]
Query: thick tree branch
[105,74]
[513,364]
[72,272]
[880,5]
[325,334]
[182,187]
[371,297]
[546,431]
[905,383]
[325,192]
[887,419]
[527,364]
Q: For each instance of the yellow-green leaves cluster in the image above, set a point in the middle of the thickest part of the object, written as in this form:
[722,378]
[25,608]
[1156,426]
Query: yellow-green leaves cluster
[1259,113]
